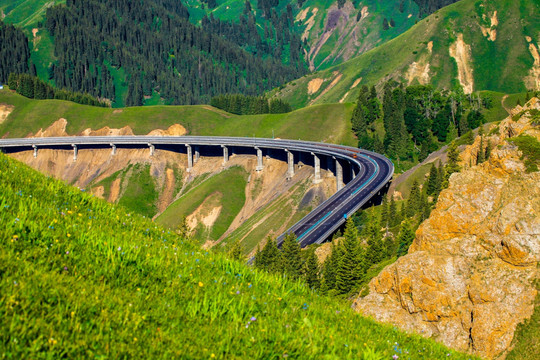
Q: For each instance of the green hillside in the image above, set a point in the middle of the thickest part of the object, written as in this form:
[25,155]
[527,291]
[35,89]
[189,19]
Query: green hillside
[225,191]
[26,13]
[29,116]
[81,278]
[500,60]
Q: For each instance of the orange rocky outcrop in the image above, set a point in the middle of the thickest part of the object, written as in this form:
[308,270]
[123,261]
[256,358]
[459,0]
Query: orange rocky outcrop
[467,279]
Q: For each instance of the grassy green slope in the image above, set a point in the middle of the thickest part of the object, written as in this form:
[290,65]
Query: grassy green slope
[80,278]
[226,189]
[306,124]
[500,65]
[26,13]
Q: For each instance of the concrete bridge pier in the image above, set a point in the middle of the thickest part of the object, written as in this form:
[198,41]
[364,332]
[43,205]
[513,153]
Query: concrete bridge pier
[290,164]
[189,157]
[260,165]
[225,154]
[197,155]
[317,169]
[113,151]
[75,151]
[152,149]
[35,150]
[353,173]
[339,175]
[329,166]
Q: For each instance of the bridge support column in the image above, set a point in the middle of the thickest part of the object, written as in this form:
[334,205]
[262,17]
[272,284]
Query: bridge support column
[75,151]
[260,165]
[339,175]
[152,149]
[189,157]
[35,150]
[329,166]
[353,173]
[113,151]
[317,168]
[290,164]
[197,155]
[225,154]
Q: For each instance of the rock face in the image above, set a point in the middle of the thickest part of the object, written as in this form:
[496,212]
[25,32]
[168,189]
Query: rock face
[467,279]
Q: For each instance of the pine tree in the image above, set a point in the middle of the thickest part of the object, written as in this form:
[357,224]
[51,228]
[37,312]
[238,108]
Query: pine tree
[487,152]
[374,252]
[292,257]
[405,238]
[413,202]
[237,252]
[270,258]
[311,270]
[452,132]
[330,269]
[13,81]
[453,160]
[480,154]
[346,276]
[433,180]
[392,212]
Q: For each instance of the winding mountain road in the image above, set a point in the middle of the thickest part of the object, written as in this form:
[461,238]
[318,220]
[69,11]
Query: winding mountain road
[373,171]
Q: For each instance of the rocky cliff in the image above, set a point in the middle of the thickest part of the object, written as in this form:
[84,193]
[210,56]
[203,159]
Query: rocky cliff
[467,279]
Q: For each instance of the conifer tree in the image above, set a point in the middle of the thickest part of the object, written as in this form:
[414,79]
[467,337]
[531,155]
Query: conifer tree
[480,155]
[330,269]
[452,132]
[346,276]
[426,208]
[392,212]
[236,251]
[453,158]
[433,180]
[405,238]
[413,202]
[374,252]
[311,270]
[442,177]
[487,152]
[270,258]
[292,257]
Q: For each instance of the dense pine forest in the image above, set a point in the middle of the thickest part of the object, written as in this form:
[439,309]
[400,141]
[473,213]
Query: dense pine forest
[160,51]
[14,52]
[410,123]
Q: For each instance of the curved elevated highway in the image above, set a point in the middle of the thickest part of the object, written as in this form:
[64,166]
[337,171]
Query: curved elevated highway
[369,172]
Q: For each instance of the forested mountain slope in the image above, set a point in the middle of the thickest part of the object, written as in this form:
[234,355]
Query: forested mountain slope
[172,52]
[480,45]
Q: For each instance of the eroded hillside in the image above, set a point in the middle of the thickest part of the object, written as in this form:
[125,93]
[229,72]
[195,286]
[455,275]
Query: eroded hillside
[477,44]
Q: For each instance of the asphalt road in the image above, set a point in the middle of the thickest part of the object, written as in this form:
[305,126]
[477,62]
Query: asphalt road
[373,170]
